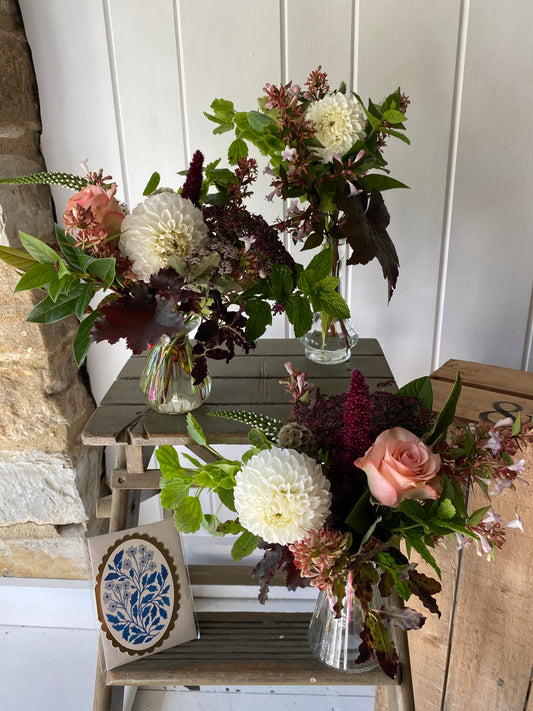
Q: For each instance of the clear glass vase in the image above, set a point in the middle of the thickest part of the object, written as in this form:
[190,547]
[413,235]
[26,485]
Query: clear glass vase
[330,341]
[166,381]
[335,641]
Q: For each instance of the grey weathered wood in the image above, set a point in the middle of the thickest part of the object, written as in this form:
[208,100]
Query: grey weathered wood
[241,649]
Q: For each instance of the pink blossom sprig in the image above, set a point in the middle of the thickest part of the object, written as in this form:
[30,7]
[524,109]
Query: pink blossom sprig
[297,384]
[322,557]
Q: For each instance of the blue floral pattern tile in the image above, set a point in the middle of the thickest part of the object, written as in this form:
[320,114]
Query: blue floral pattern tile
[137,594]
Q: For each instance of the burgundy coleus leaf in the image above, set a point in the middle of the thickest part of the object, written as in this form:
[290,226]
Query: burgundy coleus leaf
[382,645]
[365,228]
[134,317]
[386,583]
[364,578]
[404,617]
[424,588]
[199,370]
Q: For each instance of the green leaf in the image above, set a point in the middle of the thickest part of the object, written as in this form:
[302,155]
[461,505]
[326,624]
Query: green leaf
[423,551]
[15,258]
[38,275]
[230,527]
[362,515]
[259,121]
[282,282]
[210,523]
[377,181]
[61,286]
[42,252]
[419,388]
[82,340]
[188,516]
[223,110]
[259,317]
[299,314]
[238,149]
[446,415]
[173,491]
[68,250]
[169,461]
[258,439]
[152,184]
[324,298]
[321,264]
[470,442]
[478,516]
[87,293]
[392,116]
[49,311]
[104,270]
[517,426]
[195,431]
[446,509]
[226,497]
[245,544]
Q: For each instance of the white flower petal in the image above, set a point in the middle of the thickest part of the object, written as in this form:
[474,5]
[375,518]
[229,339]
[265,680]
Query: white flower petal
[281,495]
[165,224]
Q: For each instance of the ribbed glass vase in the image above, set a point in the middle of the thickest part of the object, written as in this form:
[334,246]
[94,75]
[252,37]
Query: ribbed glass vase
[166,381]
[335,641]
[330,341]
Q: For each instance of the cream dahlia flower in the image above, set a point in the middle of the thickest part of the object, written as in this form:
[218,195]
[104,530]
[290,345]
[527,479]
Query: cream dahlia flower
[281,495]
[164,224]
[339,122]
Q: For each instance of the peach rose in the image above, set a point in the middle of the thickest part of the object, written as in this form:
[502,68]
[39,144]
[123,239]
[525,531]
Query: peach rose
[104,207]
[399,466]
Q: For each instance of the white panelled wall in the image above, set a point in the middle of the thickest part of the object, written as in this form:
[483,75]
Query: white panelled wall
[124,83]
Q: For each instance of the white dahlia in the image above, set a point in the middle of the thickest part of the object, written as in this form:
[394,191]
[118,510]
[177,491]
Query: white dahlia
[339,122]
[281,495]
[164,224]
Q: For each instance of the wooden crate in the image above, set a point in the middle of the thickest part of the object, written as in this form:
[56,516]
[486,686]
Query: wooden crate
[479,654]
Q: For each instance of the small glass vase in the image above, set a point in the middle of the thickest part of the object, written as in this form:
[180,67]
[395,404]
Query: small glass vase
[330,341]
[335,641]
[166,381]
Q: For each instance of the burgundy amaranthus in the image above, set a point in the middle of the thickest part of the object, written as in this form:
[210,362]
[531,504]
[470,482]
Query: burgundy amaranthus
[192,187]
[357,436]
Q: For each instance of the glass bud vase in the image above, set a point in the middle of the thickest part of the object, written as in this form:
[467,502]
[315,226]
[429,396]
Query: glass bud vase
[335,641]
[166,381]
[330,340]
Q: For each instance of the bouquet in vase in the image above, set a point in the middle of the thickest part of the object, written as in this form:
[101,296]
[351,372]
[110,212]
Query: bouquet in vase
[340,495]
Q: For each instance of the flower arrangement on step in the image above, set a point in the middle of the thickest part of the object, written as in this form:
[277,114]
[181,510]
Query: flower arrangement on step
[333,495]
[325,151]
[191,257]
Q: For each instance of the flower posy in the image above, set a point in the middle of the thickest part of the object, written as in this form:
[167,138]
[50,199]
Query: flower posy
[374,472]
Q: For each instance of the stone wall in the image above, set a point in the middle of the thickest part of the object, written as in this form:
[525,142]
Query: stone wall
[49,482]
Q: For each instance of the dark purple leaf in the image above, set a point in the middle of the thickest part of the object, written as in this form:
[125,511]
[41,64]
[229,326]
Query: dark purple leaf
[404,617]
[424,588]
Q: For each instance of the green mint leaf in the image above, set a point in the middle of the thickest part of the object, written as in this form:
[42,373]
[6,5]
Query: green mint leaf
[245,544]
[42,252]
[259,317]
[446,509]
[169,462]
[299,314]
[173,491]
[259,121]
[321,265]
[282,282]
[237,150]
[188,516]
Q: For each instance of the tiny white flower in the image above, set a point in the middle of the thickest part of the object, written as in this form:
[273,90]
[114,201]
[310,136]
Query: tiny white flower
[165,224]
[515,523]
[505,422]
[289,153]
[281,495]
[518,466]
[339,122]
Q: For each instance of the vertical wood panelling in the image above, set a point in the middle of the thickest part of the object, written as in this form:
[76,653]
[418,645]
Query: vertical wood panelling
[413,45]
[145,57]
[491,261]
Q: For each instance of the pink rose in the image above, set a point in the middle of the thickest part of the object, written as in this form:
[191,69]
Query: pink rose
[105,209]
[399,466]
